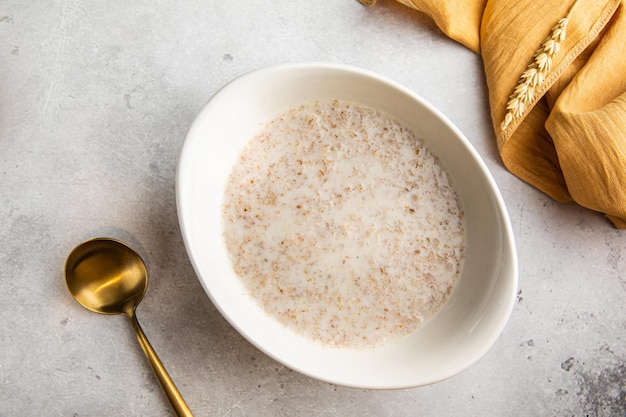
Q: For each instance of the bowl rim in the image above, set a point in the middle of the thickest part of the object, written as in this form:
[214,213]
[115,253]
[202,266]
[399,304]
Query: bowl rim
[508,242]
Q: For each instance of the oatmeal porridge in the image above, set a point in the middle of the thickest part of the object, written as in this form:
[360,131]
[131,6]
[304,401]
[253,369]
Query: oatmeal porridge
[342,225]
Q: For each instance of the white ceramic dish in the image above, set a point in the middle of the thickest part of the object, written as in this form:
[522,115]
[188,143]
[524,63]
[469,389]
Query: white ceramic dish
[483,298]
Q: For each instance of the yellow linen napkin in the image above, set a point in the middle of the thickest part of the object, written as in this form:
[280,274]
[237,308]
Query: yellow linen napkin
[556,74]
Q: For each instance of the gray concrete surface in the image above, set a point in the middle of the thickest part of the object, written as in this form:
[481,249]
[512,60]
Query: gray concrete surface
[95,100]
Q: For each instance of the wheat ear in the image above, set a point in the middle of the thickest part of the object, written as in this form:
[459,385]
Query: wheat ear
[535,74]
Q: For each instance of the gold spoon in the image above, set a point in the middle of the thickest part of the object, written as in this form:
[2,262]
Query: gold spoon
[108,277]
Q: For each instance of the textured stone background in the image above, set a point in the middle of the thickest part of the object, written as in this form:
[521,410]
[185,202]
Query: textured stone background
[95,100]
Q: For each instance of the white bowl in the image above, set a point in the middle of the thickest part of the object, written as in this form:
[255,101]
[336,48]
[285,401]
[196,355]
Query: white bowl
[483,298]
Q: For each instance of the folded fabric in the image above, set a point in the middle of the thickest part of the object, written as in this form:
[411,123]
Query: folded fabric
[556,75]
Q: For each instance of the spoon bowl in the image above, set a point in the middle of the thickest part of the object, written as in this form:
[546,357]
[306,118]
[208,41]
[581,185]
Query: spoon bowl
[106,276]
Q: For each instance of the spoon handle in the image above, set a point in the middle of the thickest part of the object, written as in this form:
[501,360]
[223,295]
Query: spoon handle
[177,401]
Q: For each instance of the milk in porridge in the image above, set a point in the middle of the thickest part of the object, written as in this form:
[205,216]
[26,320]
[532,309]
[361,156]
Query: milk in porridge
[343,225]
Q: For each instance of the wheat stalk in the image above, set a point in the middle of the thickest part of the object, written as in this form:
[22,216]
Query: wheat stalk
[535,74]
